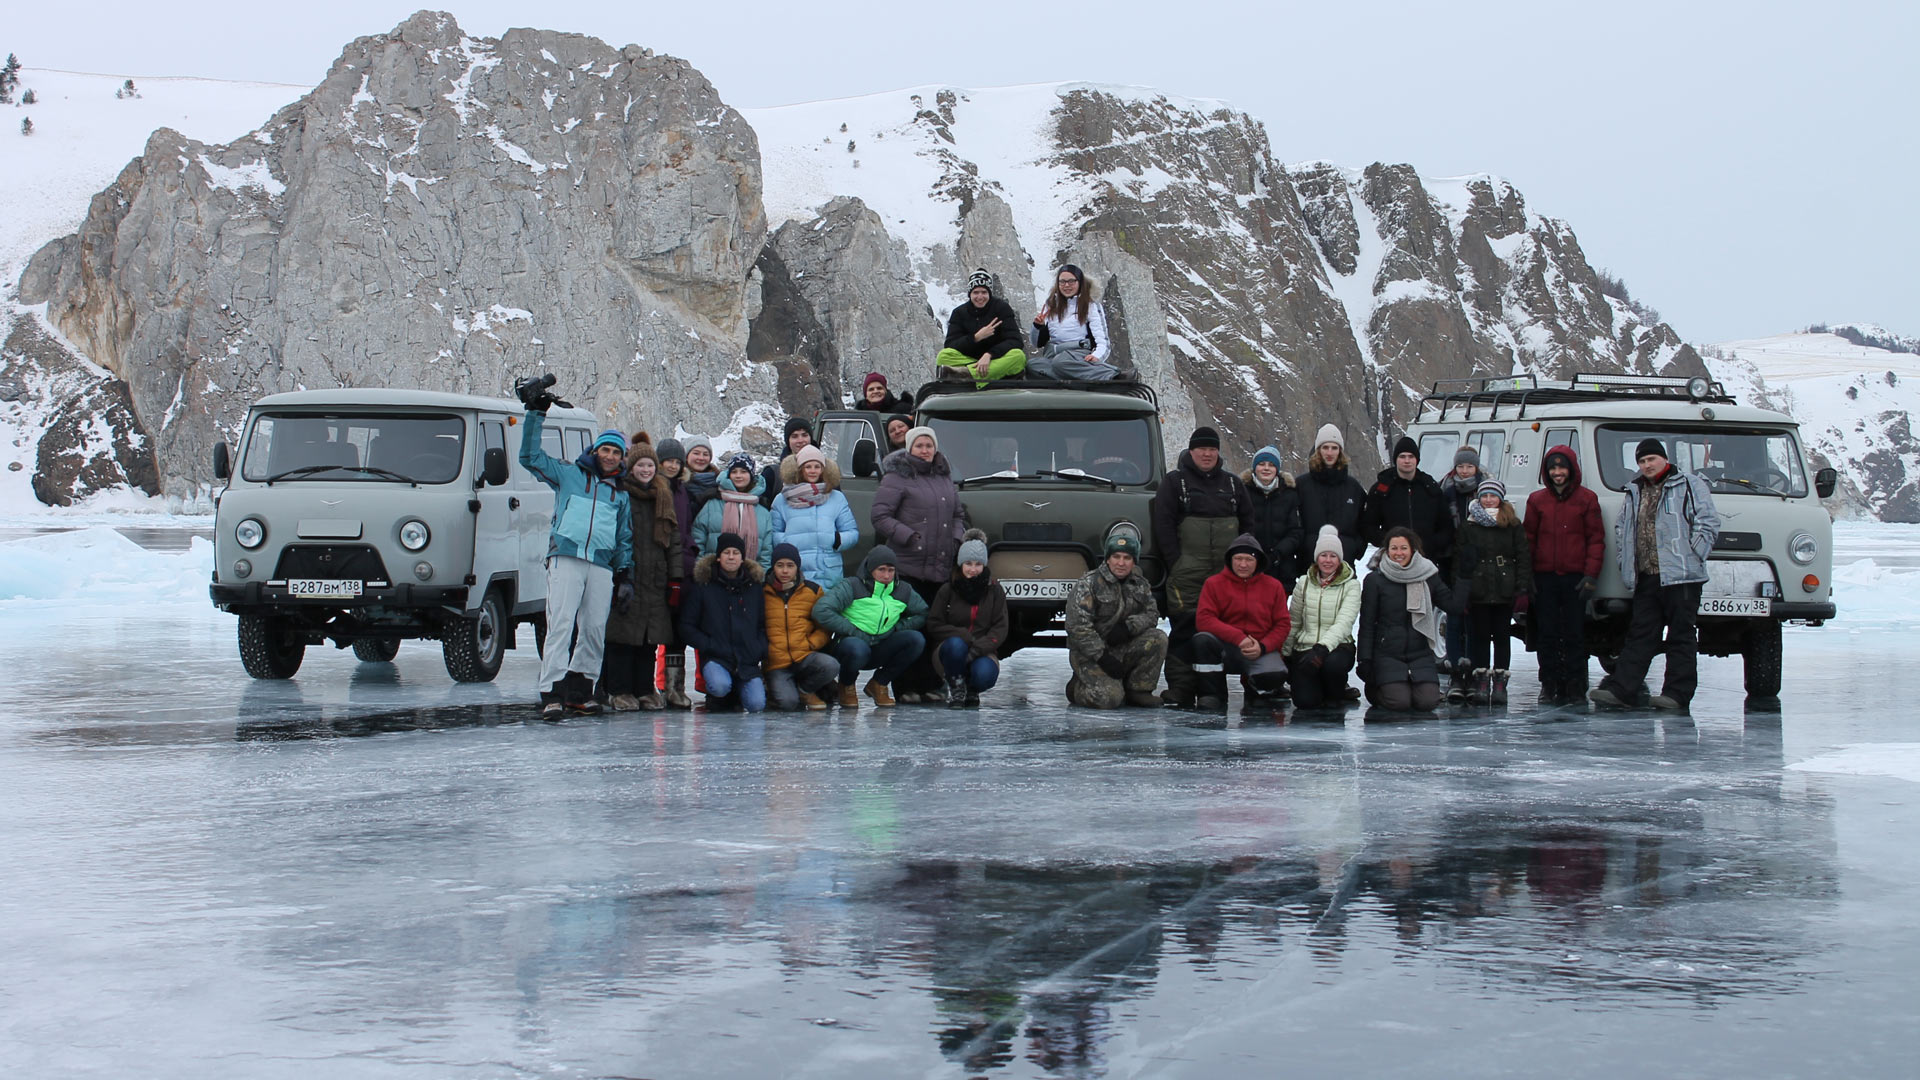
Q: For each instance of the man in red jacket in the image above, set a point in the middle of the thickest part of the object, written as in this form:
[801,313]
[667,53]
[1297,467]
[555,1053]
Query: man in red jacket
[1568,539]
[1240,626]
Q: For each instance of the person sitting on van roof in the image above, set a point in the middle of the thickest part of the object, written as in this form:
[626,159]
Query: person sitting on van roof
[589,561]
[983,335]
[1070,332]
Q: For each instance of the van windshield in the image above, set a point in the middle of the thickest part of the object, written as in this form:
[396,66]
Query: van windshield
[1753,461]
[1061,450]
[417,448]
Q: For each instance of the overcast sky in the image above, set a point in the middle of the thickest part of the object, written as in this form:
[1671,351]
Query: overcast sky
[1747,168]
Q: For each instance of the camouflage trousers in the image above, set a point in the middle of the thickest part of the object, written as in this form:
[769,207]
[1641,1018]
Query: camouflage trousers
[1141,659]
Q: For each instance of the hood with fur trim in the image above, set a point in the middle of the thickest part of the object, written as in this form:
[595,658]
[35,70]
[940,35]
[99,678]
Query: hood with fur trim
[703,571]
[790,473]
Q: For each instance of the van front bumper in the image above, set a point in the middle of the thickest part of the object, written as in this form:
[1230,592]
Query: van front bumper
[260,594]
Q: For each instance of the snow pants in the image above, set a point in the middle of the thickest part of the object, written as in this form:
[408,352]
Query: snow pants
[579,595]
[1070,362]
[1130,667]
[1656,607]
[1491,631]
[1000,367]
[1215,660]
[1313,686]
[1559,621]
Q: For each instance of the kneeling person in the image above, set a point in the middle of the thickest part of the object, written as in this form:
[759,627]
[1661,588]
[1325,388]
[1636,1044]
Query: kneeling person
[1114,642]
[876,619]
[723,619]
[1241,625]
[967,622]
[798,665]
[1325,605]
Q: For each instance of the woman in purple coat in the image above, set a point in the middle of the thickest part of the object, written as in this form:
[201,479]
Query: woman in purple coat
[672,670]
[917,512]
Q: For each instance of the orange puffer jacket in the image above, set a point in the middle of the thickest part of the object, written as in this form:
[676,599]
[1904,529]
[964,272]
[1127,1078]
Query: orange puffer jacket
[791,631]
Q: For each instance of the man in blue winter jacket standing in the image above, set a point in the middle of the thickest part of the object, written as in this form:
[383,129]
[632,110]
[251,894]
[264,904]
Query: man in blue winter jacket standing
[589,557]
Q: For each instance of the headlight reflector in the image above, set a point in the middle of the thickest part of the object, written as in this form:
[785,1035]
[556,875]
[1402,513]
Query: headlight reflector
[414,535]
[250,533]
[1803,547]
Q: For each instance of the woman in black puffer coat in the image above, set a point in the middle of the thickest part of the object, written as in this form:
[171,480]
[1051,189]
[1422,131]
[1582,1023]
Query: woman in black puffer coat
[1276,515]
[1329,495]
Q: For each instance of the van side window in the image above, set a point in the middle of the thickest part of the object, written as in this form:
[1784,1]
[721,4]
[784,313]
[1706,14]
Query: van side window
[838,438]
[1560,437]
[576,442]
[550,442]
[1492,445]
[1436,451]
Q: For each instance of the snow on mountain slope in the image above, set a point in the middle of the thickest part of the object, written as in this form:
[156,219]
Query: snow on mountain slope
[1854,404]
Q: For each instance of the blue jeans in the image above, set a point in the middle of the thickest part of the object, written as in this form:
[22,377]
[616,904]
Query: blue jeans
[981,674]
[753,692]
[890,655]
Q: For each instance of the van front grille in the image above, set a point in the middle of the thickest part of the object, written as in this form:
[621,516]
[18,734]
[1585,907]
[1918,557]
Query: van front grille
[340,562]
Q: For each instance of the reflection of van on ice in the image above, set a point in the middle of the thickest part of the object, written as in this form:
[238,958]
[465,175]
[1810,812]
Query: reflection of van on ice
[363,516]
[1773,561]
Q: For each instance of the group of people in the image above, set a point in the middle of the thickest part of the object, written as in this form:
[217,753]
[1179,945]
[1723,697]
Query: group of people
[1069,335]
[657,549]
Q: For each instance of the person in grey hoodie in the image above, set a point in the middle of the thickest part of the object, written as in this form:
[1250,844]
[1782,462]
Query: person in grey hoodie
[1666,529]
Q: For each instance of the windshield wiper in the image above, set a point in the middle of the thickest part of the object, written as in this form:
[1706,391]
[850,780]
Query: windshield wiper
[1077,474]
[1005,476]
[371,470]
[1748,487]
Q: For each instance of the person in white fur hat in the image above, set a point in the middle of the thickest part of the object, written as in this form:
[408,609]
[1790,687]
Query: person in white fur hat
[1329,495]
[1325,605]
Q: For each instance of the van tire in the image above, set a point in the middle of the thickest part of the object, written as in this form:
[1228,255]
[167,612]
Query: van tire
[377,650]
[268,648]
[473,646]
[1761,656]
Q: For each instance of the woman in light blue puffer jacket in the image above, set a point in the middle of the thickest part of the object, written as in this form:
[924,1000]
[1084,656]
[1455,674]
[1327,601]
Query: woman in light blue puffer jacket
[811,513]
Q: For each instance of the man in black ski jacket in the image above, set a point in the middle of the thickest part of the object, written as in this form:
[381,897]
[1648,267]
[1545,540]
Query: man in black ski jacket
[1199,510]
[1404,495]
[983,336]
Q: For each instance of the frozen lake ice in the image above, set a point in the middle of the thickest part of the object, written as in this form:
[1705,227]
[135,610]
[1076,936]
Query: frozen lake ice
[373,871]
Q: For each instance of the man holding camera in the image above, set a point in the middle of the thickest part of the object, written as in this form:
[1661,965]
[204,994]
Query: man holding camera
[589,553]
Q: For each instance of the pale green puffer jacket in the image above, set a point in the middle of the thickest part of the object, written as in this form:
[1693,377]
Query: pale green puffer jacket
[1323,616]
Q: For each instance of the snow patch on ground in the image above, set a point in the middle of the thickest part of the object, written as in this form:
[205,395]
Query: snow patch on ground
[1898,760]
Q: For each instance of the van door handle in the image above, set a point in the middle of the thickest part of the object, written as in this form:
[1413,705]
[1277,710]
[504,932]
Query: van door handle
[513,502]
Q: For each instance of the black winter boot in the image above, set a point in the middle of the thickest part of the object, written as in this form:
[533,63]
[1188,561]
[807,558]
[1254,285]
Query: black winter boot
[956,691]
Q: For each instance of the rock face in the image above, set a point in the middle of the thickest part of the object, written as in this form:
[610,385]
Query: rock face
[90,439]
[441,211]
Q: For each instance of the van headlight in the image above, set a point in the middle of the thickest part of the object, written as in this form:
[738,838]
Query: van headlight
[1803,547]
[414,535]
[250,533]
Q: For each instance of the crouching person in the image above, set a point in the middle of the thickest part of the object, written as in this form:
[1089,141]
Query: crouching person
[1319,648]
[876,619]
[1114,642]
[723,618]
[798,666]
[1402,632]
[589,546]
[1241,625]
[966,623]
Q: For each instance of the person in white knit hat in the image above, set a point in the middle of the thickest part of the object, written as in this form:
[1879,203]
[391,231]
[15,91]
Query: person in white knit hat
[1329,495]
[1325,605]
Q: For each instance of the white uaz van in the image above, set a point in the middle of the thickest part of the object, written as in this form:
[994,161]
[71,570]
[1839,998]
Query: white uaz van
[1773,561]
[364,516]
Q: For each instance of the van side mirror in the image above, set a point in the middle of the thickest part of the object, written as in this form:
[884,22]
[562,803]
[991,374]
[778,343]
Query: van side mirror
[1825,481]
[223,461]
[493,466]
[866,457]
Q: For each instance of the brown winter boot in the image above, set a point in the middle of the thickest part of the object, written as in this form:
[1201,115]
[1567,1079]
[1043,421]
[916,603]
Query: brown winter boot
[878,693]
[849,697]
[677,681]
[811,702]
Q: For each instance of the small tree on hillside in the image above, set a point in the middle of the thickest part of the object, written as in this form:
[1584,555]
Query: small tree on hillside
[28,98]
[9,77]
[26,125]
[126,90]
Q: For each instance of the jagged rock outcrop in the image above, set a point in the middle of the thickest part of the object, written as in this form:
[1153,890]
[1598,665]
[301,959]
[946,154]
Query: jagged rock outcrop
[90,440]
[441,211]
[855,282]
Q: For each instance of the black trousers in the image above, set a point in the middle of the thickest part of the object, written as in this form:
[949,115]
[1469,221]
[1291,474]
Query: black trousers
[919,677]
[1559,619]
[1314,687]
[1490,627]
[1674,609]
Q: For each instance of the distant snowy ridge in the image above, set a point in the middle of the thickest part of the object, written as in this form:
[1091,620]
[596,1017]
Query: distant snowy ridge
[1854,404]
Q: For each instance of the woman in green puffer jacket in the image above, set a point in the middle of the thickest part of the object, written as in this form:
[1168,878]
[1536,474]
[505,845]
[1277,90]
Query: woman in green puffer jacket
[1325,605]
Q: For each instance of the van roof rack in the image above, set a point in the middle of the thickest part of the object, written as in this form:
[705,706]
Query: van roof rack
[1132,388]
[1516,392]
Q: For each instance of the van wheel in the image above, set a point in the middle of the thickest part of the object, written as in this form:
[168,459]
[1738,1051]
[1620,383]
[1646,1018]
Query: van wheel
[268,648]
[473,646]
[377,650]
[1761,655]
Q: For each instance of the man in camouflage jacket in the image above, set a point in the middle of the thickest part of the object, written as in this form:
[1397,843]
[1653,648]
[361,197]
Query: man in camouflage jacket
[1114,642]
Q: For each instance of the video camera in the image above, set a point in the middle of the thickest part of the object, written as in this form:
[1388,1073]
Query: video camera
[535,394]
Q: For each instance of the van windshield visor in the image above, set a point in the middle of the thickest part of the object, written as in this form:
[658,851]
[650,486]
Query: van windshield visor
[1749,461]
[418,448]
[1063,450]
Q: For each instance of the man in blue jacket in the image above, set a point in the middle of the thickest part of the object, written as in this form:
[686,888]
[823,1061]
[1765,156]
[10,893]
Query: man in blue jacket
[589,558]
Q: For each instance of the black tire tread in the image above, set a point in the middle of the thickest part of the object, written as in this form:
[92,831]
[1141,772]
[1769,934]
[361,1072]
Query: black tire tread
[459,645]
[263,650]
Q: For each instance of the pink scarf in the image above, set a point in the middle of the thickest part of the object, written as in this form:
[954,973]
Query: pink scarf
[737,516]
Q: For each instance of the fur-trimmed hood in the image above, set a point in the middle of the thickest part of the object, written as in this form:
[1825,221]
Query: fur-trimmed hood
[1246,477]
[790,473]
[907,465]
[703,570]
